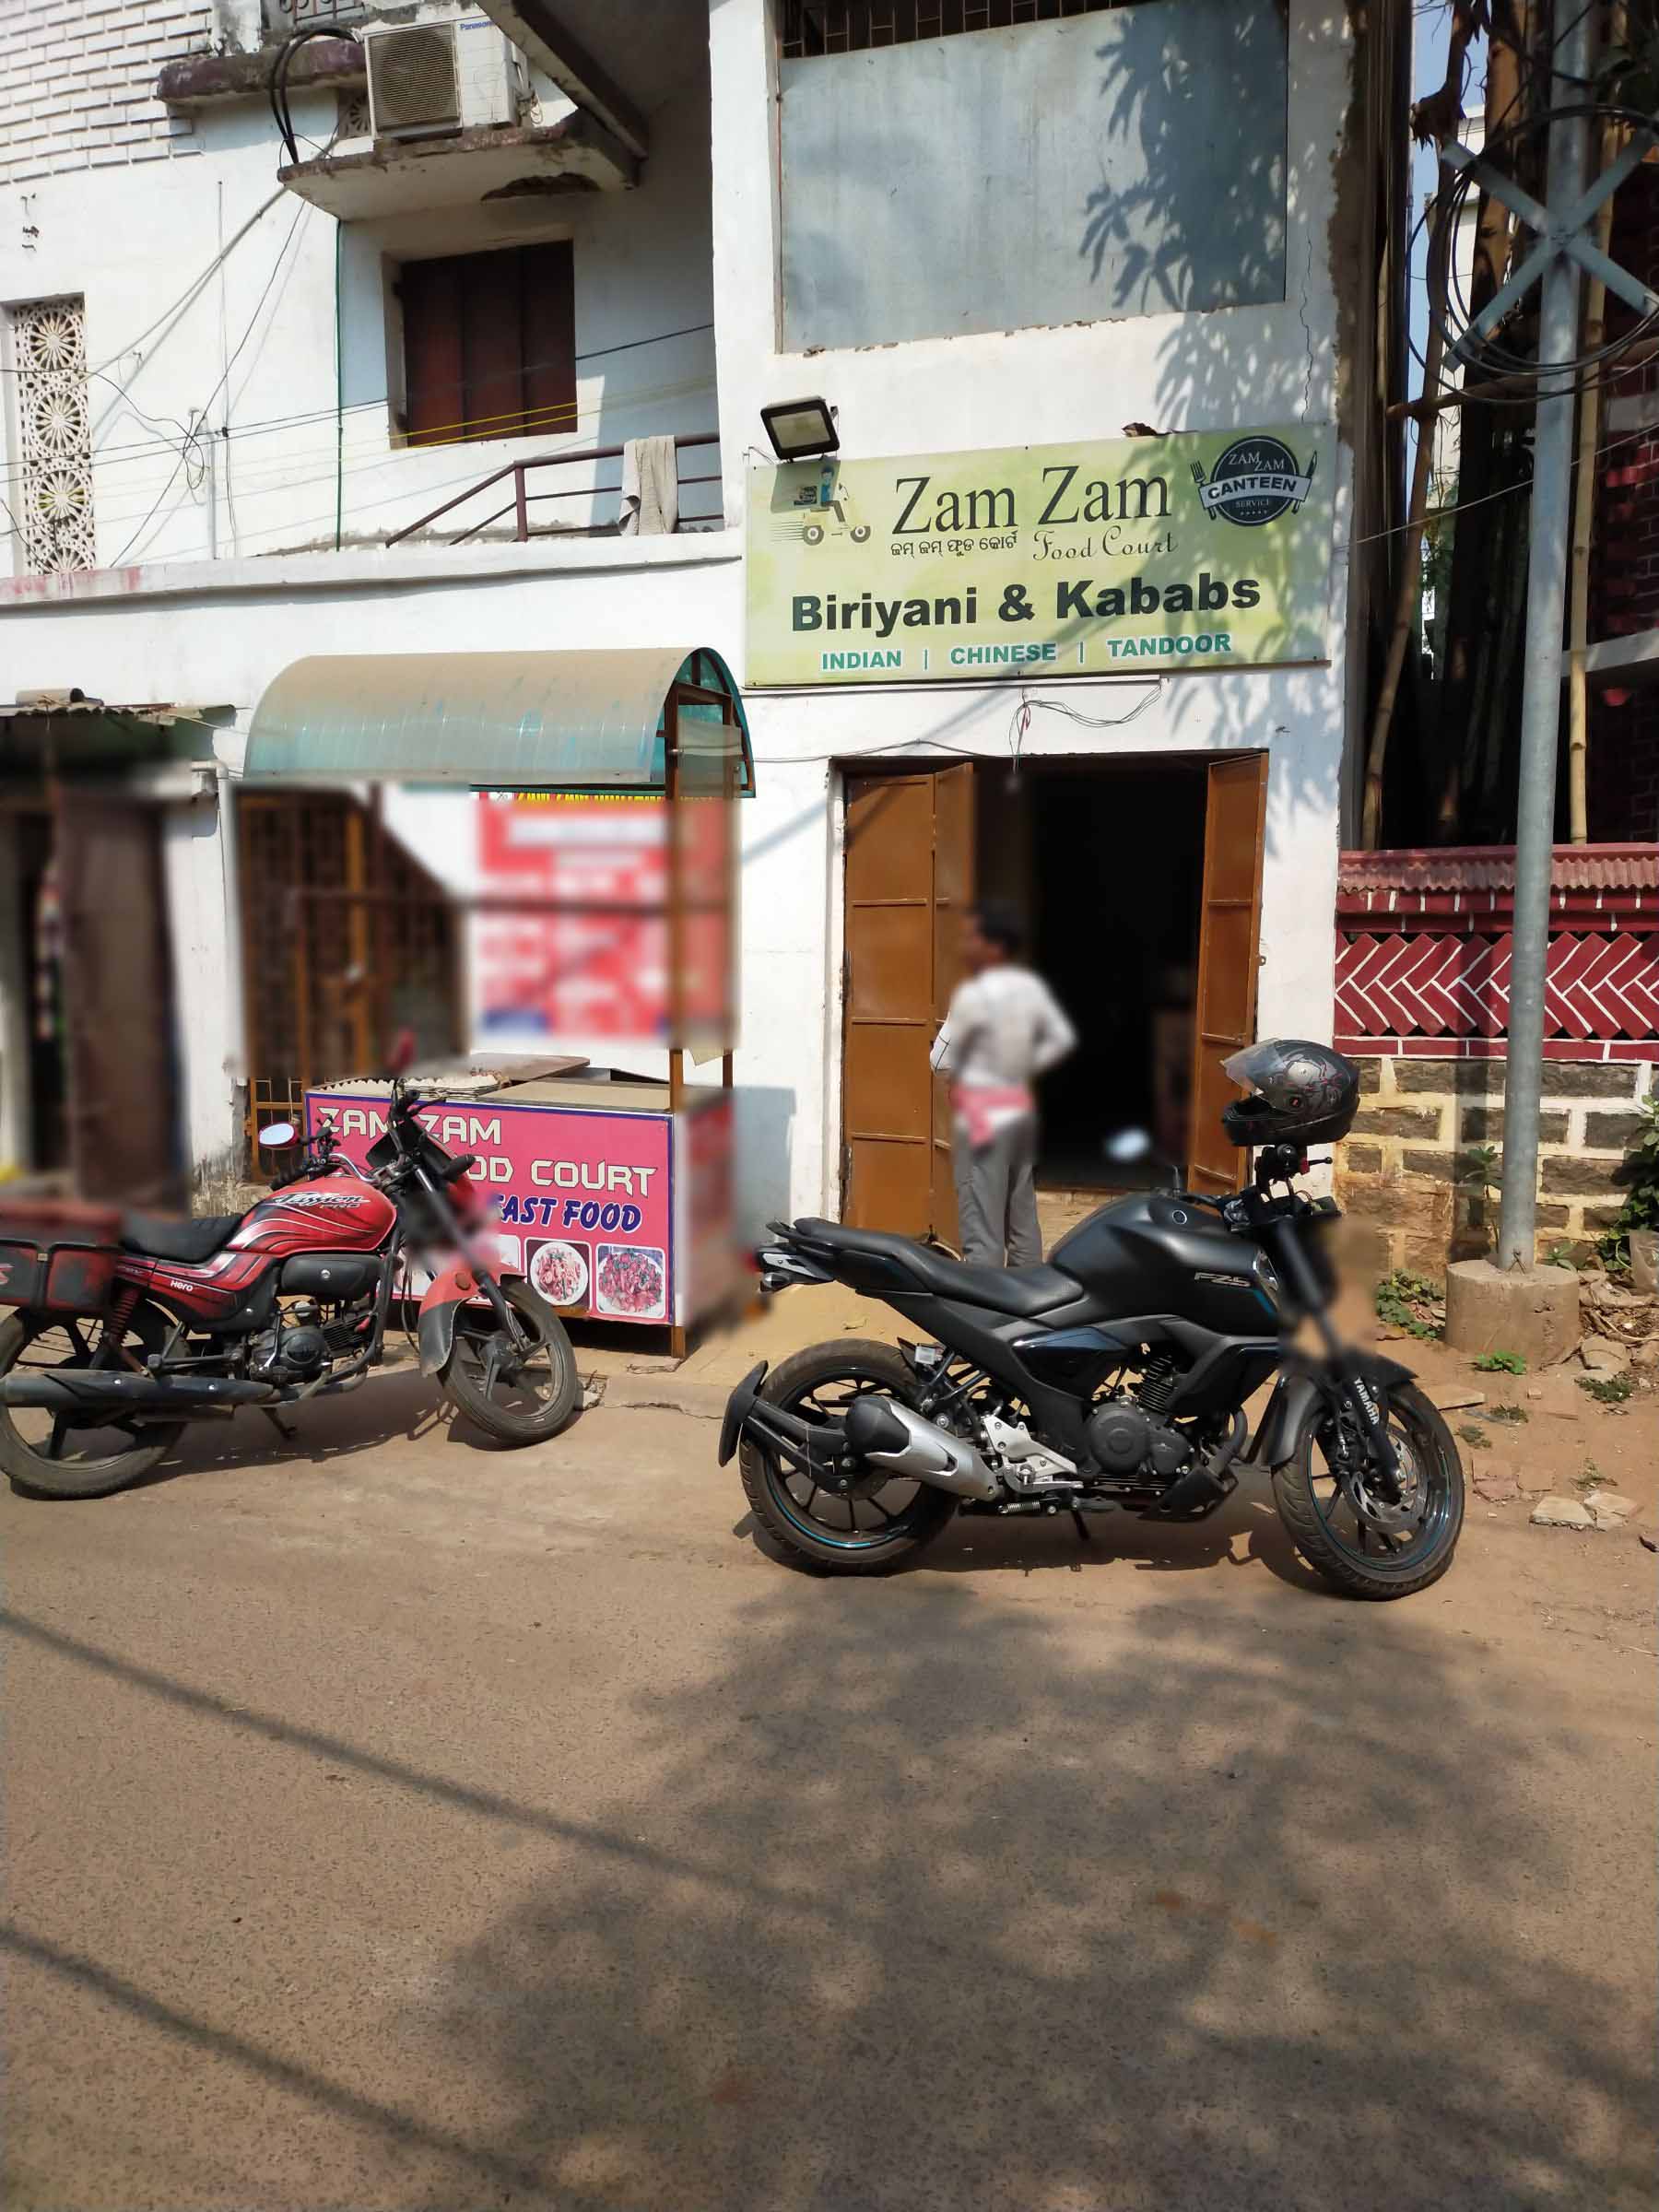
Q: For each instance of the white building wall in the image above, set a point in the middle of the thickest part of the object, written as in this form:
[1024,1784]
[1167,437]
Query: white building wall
[217,629]
[213,410]
[1242,365]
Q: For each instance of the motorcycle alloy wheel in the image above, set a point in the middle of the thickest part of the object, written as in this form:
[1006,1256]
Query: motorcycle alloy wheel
[878,1522]
[1362,1544]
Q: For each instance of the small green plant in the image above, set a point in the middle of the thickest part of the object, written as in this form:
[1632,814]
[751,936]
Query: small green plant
[1607,1390]
[1500,1363]
[1471,1435]
[1508,1413]
[1559,1256]
[1481,1178]
[1401,1299]
[1590,1477]
[1639,1176]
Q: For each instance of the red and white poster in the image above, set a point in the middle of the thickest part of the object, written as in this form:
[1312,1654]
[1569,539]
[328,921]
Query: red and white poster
[599,970]
[581,1202]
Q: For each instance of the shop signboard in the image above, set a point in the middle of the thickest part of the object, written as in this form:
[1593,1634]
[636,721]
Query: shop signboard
[581,1199]
[1205,549]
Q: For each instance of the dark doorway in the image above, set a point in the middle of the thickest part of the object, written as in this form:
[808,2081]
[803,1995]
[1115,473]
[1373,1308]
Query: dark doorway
[1104,861]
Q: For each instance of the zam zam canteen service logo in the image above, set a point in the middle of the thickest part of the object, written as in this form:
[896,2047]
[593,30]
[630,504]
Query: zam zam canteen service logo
[1255,481]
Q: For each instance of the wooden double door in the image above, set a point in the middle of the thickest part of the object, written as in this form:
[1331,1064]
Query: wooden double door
[910,876]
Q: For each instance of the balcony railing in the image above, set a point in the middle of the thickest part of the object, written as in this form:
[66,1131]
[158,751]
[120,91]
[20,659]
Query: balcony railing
[522,497]
[280,16]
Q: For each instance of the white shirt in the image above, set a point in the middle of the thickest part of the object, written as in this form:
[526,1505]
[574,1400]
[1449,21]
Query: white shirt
[1002,1031]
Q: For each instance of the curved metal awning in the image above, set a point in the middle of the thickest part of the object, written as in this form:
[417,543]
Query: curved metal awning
[496,720]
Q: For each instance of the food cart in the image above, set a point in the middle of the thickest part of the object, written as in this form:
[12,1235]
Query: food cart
[612,1191]
[611,1200]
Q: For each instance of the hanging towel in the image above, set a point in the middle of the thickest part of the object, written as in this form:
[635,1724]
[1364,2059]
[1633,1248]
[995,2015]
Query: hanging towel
[649,488]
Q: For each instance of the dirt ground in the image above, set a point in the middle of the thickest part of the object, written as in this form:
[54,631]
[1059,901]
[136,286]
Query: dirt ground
[397,1822]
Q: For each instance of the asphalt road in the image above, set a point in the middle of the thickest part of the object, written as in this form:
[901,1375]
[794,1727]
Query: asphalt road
[418,1823]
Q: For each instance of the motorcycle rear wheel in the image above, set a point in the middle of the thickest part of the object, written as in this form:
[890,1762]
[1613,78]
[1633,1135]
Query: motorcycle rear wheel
[868,1535]
[535,1403]
[46,1459]
[1387,1552]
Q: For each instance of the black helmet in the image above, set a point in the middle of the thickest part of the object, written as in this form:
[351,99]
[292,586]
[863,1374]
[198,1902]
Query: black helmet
[1301,1094]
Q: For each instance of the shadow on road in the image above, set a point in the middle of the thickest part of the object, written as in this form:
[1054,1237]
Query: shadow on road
[1000,1929]
[1245,1532]
[912,1899]
[402,1407]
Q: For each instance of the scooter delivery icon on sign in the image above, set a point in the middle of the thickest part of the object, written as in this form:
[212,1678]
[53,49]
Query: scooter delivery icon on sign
[823,506]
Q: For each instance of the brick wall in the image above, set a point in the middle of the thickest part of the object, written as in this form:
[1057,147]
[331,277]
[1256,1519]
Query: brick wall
[1623,768]
[1398,1171]
[77,82]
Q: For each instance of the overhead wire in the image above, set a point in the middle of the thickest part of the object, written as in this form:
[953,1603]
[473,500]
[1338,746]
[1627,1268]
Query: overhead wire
[261,426]
[1504,491]
[1555,379]
[185,297]
[1538,75]
[224,377]
[278,471]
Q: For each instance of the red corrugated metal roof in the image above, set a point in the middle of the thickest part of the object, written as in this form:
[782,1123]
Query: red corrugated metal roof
[1492,868]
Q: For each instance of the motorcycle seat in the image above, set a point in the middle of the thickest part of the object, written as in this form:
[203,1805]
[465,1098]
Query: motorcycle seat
[164,1237]
[1023,1292]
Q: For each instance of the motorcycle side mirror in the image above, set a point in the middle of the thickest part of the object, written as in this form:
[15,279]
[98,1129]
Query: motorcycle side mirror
[278,1134]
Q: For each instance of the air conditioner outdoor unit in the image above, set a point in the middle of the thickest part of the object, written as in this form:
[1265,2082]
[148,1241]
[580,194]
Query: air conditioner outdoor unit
[447,74]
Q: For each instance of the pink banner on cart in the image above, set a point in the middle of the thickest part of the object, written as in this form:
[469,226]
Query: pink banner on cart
[581,1201]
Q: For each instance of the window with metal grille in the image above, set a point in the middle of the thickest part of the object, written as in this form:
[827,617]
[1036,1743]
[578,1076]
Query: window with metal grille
[810,27]
[489,345]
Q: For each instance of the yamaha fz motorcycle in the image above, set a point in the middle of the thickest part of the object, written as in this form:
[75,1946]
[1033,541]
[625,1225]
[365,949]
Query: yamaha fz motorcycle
[110,1349]
[1112,1379]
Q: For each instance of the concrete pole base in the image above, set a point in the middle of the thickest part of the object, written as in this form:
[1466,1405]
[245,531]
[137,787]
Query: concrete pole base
[1532,1312]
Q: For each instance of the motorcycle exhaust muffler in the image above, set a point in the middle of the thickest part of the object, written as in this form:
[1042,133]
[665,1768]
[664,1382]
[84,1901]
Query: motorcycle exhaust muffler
[879,1430]
[890,1435]
[93,1391]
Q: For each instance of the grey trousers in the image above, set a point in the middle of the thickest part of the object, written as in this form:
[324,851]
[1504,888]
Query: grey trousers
[996,1196]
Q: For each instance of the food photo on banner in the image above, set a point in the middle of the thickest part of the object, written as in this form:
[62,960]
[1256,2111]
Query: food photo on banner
[1203,549]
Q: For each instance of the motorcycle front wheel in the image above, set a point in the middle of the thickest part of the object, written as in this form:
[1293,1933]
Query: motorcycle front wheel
[519,1397]
[1365,1545]
[881,1521]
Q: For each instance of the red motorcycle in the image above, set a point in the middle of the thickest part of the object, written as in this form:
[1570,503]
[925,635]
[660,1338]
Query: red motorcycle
[115,1345]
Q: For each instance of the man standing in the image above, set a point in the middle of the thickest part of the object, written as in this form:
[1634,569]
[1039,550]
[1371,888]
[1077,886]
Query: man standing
[1002,1031]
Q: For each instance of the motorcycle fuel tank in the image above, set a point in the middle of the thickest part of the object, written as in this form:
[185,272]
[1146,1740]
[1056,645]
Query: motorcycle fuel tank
[1160,1252]
[332,1213]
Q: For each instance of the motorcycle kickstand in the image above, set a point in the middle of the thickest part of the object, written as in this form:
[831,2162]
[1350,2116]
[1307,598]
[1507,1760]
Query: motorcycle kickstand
[1081,1526]
[285,1429]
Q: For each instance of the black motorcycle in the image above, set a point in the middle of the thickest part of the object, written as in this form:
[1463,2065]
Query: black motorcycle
[1112,1379]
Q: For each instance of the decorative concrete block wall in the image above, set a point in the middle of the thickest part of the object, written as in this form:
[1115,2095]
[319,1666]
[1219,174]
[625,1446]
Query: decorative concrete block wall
[1423,949]
[1399,1172]
[77,83]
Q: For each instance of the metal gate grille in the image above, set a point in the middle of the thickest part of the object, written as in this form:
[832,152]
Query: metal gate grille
[812,27]
[346,940]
